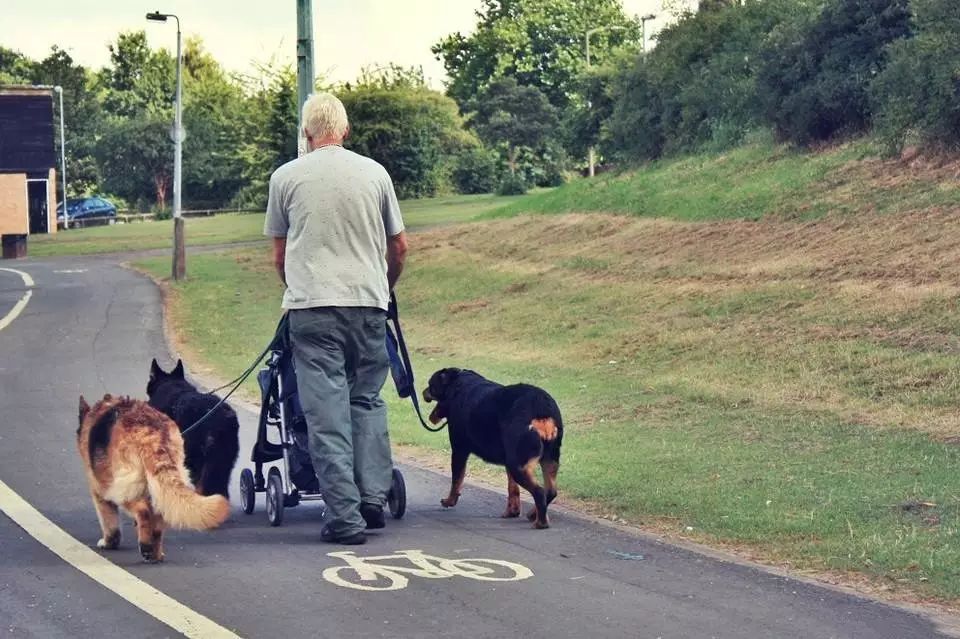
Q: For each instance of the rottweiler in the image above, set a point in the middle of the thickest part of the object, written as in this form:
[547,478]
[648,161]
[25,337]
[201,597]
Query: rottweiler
[517,426]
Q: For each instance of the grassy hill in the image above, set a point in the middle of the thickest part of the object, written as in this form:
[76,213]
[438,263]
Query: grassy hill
[758,180]
[760,355]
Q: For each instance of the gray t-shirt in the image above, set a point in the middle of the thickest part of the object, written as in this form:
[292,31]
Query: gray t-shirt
[336,208]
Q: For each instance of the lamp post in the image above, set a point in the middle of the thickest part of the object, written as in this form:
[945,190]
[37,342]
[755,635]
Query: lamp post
[63,158]
[643,27]
[179,255]
[590,32]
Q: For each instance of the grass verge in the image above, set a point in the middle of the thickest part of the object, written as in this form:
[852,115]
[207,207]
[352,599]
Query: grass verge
[758,180]
[238,228]
[784,388]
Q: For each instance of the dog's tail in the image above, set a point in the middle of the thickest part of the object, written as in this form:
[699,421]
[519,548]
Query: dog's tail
[180,505]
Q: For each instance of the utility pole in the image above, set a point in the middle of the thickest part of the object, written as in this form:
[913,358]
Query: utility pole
[305,77]
[179,253]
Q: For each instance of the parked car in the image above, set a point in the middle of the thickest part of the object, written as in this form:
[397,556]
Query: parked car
[87,208]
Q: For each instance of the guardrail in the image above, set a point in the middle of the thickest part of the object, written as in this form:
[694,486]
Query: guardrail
[123,217]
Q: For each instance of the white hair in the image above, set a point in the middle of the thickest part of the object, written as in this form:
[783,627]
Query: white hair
[324,115]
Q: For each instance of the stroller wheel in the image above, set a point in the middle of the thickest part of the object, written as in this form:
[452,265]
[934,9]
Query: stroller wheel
[247,494]
[397,497]
[275,498]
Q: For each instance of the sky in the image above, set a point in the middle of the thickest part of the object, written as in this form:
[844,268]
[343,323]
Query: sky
[348,34]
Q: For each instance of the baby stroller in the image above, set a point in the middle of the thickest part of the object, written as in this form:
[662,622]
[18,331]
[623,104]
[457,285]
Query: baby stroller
[294,480]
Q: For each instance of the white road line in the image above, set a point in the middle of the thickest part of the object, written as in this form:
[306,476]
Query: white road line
[141,594]
[22,302]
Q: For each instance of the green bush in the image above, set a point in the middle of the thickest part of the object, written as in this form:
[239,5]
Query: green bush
[475,170]
[412,131]
[918,94]
[815,73]
[512,185]
[697,89]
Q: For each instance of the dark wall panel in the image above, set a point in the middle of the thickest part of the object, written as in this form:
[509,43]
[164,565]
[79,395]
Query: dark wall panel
[26,133]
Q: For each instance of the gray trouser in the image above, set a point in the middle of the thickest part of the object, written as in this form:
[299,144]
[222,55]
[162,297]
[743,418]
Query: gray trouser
[341,360]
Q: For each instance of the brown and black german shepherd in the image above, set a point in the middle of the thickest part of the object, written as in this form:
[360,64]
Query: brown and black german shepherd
[133,457]
[517,426]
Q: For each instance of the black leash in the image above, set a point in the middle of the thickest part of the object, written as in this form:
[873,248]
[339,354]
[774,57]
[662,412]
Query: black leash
[400,367]
[242,378]
[402,370]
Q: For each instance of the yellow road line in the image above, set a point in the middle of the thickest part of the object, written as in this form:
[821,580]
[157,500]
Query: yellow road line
[27,280]
[138,592]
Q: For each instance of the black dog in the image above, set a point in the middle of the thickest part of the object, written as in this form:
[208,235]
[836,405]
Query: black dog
[211,449]
[517,426]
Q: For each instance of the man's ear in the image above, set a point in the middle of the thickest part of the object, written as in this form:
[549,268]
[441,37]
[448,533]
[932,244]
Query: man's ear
[346,133]
[178,370]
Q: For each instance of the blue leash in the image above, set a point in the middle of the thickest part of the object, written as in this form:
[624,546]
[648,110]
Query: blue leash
[400,367]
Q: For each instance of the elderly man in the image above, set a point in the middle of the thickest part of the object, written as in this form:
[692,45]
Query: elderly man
[339,247]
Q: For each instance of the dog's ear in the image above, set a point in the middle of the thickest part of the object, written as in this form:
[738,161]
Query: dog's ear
[447,375]
[155,370]
[178,370]
[84,408]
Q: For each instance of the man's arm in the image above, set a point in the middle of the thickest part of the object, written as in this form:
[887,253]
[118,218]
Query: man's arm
[279,257]
[396,255]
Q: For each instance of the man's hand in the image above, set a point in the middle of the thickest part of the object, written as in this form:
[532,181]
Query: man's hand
[396,255]
[279,257]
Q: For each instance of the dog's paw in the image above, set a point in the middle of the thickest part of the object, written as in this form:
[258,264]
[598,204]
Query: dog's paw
[541,525]
[449,502]
[110,542]
[510,513]
[150,555]
[531,514]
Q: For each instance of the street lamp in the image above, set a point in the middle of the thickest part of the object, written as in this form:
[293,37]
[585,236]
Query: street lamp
[643,27]
[590,32]
[63,159]
[179,256]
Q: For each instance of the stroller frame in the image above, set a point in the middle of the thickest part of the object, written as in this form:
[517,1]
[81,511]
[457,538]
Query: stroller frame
[280,408]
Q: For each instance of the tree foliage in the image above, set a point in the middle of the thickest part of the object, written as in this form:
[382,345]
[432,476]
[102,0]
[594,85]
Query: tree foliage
[917,96]
[412,131]
[815,75]
[538,43]
[513,117]
[697,88]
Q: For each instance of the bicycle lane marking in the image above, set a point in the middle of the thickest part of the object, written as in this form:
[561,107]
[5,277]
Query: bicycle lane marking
[161,607]
[423,565]
[22,302]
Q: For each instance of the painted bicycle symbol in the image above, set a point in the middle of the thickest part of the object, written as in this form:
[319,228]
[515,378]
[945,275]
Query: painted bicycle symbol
[370,573]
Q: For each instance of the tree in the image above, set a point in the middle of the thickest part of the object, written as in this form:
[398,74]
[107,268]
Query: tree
[413,131]
[213,116]
[15,68]
[539,43]
[268,133]
[917,95]
[135,156]
[138,80]
[83,116]
[815,74]
[515,117]
[706,6]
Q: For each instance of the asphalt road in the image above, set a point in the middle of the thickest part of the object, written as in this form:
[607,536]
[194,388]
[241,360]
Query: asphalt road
[92,327]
